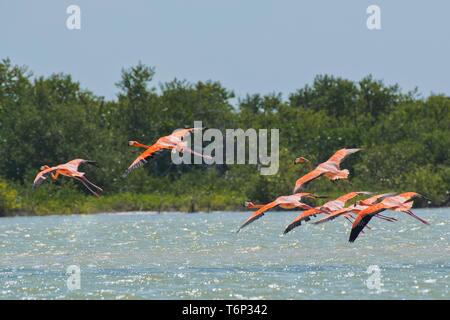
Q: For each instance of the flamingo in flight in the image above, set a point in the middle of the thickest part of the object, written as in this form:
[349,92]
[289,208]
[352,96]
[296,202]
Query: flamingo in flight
[174,142]
[327,208]
[69,169]
[400,203]
[360,205]
[330,168]
[285,202]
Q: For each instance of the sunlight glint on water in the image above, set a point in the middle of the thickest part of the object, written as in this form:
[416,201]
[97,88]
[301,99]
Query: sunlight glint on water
[199,256]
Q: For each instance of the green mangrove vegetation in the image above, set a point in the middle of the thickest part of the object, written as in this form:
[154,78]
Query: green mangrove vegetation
[50,120]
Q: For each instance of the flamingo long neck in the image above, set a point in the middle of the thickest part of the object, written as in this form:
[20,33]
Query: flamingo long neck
[254,206]
[140,145]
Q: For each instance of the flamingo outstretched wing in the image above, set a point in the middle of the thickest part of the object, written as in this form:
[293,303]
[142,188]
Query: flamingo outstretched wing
[181,133]
[304,216]
[43,175]
[344,198]
[358,226]
[333,215]
[142,158]
[363,218]
[310,176]
[74,164]
[376,199]
[258,214]
[340,155]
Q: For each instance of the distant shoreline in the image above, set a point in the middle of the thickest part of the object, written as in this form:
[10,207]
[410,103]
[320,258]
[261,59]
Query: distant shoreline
[153,212]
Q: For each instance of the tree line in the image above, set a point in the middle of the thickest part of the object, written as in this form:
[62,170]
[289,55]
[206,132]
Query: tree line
[50,120]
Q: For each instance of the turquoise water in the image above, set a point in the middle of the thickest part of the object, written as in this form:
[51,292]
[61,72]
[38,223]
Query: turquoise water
[199,256]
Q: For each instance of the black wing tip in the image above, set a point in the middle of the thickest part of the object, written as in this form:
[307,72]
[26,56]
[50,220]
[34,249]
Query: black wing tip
[358,229]
[127,172]
[135,166]
[292,226]
[353,235]
[242,227]
[250,221]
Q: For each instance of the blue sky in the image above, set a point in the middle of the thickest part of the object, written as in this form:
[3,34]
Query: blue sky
[250,46]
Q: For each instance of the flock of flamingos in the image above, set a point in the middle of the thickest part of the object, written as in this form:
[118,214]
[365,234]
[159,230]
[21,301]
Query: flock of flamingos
[359,214]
